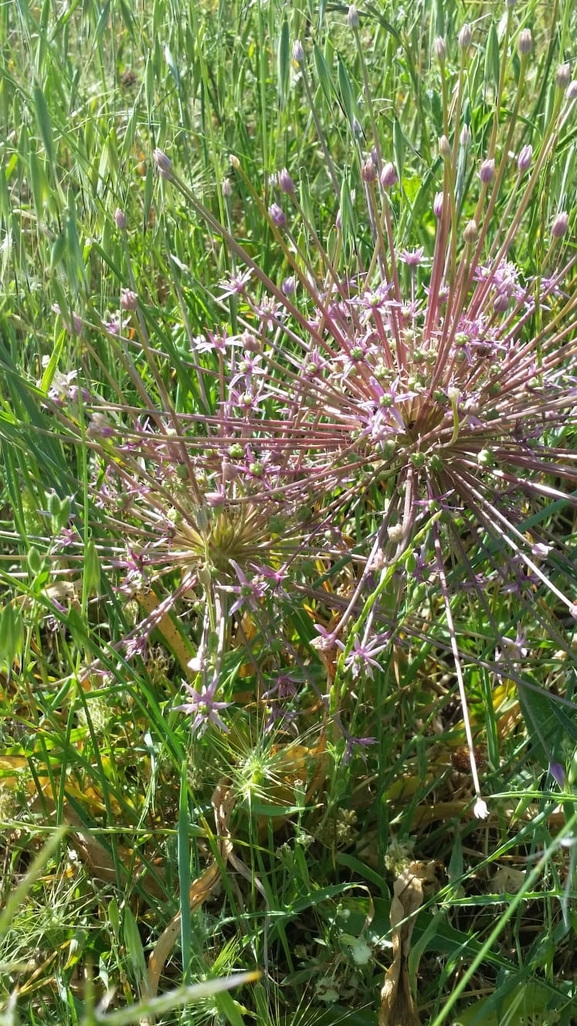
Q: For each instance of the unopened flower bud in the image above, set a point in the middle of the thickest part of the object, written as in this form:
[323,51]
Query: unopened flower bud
[444,148]
[226,188]
[368,171]
[298,52]
[487,171]
[277,215]
[163,164]
[128,299]
[285,182]
[353,17]
[389,176]
[438,204]
[501,302]
[120,218]
[571,93]
[465,36]
[471,232]
[465,136]
[440,49]
[563,76]
[524,159]
[288,286]
[525,42]
[560,225]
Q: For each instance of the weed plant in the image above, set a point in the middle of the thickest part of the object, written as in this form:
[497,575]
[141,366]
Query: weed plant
[288,524]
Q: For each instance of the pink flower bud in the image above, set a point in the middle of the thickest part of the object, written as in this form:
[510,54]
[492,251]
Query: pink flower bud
[226,188]
[277,215]
[128,299]
[465,36]
[563,76]
[163,164]
[438,204]
[285,182]
[487,171]
[353,17]
[368,171]
[525,42]
[120,218]
[440,49]
[524,159]
[444,148]
[389,176]
[560,225]
[298,52]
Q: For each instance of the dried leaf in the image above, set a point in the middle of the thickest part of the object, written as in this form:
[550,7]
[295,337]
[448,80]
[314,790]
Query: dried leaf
[397,1001]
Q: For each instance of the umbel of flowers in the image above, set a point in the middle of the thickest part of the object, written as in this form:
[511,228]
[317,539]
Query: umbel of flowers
[433,389]
[399,408]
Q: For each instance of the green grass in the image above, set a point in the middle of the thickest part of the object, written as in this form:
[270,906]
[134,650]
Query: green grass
[109,807]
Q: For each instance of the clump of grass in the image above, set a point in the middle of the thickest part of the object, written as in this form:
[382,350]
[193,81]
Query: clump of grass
[308,541]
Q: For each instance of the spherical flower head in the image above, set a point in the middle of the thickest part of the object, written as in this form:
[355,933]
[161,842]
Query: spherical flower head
[465,36]
[120,218]
[285,182]
[128,299]
[440,49]
[560,225]
[487,171]
[389,176]
[525,42]
[298,52]
[353,17]
[163,164]
[524,159]
[563,76]
[277,215]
